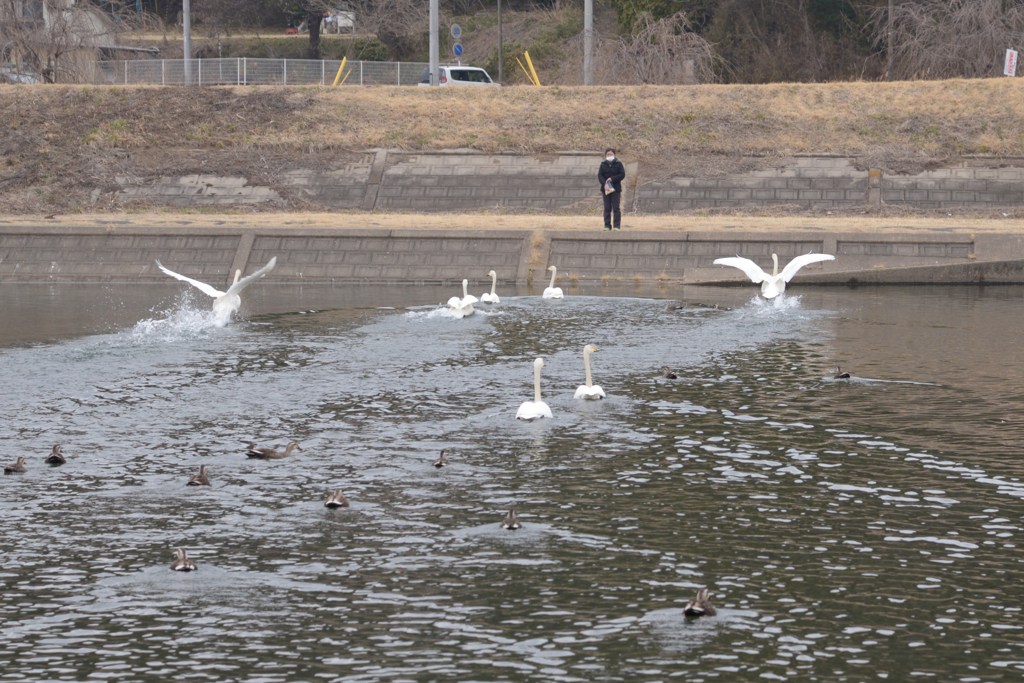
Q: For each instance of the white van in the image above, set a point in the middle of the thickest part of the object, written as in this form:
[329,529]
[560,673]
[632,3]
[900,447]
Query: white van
[458,75]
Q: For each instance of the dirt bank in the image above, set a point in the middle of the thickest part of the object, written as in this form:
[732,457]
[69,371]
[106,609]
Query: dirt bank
[61,143]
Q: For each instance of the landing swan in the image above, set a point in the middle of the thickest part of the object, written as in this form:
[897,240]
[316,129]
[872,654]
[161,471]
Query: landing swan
[463,307]
[552,292]
[589,390]
[774,284]
[225,304]
[491,298]
[531,410]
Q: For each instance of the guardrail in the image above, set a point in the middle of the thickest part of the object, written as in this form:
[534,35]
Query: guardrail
[257,71]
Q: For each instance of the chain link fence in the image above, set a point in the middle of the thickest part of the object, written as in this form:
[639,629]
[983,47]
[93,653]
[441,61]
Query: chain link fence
[249,71]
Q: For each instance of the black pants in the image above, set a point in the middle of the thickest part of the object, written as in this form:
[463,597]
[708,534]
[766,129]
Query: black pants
[611,206]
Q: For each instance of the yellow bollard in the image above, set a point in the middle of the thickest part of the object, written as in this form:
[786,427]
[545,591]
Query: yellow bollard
[533,72]
[337,78]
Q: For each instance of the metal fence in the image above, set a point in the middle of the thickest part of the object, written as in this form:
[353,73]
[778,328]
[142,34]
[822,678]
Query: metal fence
[249,71]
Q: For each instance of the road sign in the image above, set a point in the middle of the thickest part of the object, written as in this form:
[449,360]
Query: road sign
[456,31]
[1010,64]
[457,49]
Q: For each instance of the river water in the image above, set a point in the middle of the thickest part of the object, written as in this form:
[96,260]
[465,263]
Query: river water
[848,530]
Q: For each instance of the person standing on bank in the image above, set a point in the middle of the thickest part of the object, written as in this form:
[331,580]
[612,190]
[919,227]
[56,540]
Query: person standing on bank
[611,174]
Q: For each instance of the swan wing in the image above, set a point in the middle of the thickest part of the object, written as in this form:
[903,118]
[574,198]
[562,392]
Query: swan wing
[751,269]
[800,261]
[201,286]
[248,279]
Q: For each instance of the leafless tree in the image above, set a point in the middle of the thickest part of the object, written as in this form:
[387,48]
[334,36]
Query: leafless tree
[52,40]
[948,38]
[660,52]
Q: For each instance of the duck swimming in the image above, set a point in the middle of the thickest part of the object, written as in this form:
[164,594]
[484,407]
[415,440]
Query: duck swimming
[199,479]
[18,467]
[700,606]
[840,374]
[336,500]
[181,562]
[266,453]
[442,459]
[56,457]
[667,373]
[511,521]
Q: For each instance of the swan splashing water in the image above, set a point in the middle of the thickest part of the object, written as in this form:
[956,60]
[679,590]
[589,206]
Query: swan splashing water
[775,284]
[462,307]
[225,304]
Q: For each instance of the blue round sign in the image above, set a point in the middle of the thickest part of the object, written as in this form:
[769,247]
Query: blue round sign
[456,31]
[457,49]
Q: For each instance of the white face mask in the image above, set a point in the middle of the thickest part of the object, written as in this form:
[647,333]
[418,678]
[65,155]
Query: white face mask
[610,158]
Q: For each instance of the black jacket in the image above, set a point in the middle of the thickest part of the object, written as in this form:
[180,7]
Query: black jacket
[614,170]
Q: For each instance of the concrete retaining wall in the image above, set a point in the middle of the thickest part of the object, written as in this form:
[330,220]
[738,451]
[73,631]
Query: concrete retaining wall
[469,181]
[66,254]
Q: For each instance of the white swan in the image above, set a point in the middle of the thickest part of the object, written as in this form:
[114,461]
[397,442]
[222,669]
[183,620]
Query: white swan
[531,410]
[225,304]
[588,390]
[491,298]
[774,284]
[552,292]
[462,307]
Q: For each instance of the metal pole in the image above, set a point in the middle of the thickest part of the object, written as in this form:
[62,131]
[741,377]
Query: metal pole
[435,45]
[501,47]
[588,42]
[888,46]
[186,26]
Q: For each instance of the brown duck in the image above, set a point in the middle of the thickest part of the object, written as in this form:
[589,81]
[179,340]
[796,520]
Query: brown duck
[511,521]
[265,453]
[199,479]
[336,500]
[56,457]
[18,467]
[442,459]
[182,563]
[700,606]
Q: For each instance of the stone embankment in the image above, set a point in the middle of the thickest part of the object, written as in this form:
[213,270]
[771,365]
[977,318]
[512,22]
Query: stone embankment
[405,248]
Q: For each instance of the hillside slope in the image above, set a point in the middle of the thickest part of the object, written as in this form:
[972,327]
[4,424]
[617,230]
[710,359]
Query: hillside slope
[61,142]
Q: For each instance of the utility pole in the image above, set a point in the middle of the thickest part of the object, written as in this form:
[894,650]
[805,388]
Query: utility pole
[588,42]
[501,47]
[435,45]
[186,27]
[888,46]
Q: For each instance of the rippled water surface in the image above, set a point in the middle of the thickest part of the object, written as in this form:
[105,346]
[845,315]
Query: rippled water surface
[849,530]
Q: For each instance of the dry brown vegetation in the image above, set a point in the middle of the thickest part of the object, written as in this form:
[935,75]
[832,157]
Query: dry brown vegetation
[60,142]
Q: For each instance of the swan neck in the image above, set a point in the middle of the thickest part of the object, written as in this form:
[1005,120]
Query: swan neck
[494,282]
[553,273]
[465,288]
[536,382]
[586,368]
[775,264]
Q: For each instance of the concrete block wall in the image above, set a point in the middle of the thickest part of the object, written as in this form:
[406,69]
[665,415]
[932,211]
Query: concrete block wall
[85,257]
[68,254]
[812,182]
[467,181]
[459,181]
[392,256]
[969,183]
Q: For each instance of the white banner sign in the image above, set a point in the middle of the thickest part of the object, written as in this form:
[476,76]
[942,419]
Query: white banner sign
[1010,65]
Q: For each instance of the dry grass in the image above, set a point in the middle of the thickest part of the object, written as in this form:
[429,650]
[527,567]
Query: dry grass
[54,136]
